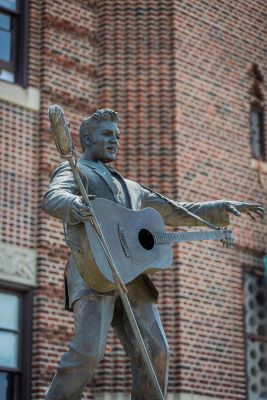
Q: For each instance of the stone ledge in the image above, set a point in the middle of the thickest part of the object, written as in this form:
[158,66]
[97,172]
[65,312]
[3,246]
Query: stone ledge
[28,98]
[17,264]
[190,396]
[259,165]
[171,396]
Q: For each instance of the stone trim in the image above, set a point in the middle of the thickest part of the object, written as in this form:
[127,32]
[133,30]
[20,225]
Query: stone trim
[190,396]
[171,396]
[112,396]
[17,264]
[28,98]
[256,164]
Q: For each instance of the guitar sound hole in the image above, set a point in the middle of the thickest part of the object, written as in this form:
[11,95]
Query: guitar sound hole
[146,239]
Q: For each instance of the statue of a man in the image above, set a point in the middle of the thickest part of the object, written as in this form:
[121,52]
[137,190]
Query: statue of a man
[95,312]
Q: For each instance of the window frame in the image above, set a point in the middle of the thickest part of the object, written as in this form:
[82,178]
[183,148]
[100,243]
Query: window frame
[257,107]
[23,371]
[20,20]
[253,337]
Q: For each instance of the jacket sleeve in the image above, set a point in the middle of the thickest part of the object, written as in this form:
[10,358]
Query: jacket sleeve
[211,211]
[61,193]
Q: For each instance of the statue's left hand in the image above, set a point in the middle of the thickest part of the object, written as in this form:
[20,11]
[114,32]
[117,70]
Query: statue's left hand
[239,207]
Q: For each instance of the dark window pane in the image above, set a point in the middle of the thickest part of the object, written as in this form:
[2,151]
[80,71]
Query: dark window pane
[256,117]
[10,4]
[5,22]
[7,386]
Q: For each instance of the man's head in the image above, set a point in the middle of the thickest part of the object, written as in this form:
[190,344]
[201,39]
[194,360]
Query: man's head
[99,135]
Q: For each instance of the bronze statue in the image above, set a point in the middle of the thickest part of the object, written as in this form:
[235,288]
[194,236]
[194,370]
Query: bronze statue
[97,304]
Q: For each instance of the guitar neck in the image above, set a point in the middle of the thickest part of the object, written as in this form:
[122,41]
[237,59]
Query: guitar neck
[178,237]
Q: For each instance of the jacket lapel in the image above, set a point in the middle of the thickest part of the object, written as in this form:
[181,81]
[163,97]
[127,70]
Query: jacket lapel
[124,183]
[101,171]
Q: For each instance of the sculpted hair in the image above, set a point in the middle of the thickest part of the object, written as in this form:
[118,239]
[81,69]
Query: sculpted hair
[89,124]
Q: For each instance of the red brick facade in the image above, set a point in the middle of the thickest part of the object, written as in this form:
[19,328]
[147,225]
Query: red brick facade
[176,72]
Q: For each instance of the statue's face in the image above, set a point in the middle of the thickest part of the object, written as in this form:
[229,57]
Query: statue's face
[103,144]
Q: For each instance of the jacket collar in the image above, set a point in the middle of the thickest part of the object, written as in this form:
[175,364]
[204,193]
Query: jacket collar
[101,169]
[96,164]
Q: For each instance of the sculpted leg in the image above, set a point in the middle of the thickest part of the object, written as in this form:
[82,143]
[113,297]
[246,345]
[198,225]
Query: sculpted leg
[149,323]
[92,318]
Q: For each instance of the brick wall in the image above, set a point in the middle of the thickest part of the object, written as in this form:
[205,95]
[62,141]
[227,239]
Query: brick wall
[176,72]
[136,79]
[18,175]
[181,68]
[213,46]
[19,143]
[68,77]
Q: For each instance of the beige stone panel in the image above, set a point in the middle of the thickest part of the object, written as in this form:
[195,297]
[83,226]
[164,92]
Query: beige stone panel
[17,264]
[171,396]
[28,98]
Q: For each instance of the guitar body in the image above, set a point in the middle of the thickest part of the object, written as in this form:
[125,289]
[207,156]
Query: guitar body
[129,235]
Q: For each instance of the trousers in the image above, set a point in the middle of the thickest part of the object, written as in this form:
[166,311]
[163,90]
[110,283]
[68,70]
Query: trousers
[93,317]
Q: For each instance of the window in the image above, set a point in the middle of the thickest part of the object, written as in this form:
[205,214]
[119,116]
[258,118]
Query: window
[257,138]
[13,39]
[256,92]
[15,332]
[256,336]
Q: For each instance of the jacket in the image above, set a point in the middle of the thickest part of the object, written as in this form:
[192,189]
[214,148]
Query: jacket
[99,181]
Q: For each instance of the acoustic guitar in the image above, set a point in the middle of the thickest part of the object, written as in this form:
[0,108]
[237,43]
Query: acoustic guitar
[137,241]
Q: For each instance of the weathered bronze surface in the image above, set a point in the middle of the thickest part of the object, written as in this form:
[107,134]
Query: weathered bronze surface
[95,310]
[137,241]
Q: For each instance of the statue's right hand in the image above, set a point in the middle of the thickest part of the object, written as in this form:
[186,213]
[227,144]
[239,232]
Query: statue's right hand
[79,210]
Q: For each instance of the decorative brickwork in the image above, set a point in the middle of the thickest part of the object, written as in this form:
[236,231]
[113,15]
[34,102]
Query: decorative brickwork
[137,80]
[213,46]
[178,79]
[256,334]
[35,43]
[176,72]
[69,59]
[18,175]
